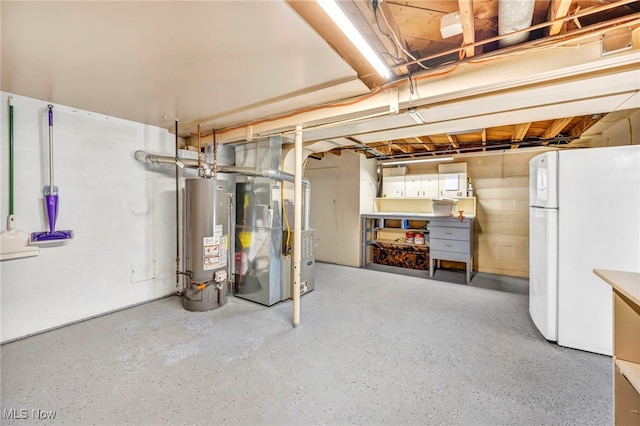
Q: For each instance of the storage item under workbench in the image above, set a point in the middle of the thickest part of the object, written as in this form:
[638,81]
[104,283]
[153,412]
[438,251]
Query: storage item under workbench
[413,256]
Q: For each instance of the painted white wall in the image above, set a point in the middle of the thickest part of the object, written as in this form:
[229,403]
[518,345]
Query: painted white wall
[122,215]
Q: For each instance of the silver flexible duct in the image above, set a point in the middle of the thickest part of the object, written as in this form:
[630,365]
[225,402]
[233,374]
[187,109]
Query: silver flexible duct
[514,15]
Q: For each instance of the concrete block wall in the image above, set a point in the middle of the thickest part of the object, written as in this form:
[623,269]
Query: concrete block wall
[501,185]
[122,215]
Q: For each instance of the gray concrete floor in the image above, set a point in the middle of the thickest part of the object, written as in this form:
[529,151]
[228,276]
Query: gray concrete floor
[372,348]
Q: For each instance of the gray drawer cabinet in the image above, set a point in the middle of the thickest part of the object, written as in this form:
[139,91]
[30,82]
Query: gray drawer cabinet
[451,239]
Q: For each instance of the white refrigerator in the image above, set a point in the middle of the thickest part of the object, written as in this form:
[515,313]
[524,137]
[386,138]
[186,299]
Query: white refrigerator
[584,213]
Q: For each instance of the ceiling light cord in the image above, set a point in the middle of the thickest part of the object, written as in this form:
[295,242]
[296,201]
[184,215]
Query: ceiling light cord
[395,37]
[374,5]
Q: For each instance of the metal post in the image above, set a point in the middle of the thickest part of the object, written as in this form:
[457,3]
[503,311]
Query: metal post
[297,225]
[177,173]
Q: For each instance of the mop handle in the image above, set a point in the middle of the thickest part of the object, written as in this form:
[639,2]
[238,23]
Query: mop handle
[10,156]
[51,149]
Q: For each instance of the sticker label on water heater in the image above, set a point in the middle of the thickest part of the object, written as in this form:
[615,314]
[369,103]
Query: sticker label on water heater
[210,253]
[214,252]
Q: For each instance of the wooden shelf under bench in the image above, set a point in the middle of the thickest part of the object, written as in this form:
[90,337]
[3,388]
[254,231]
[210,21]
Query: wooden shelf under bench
[454,236]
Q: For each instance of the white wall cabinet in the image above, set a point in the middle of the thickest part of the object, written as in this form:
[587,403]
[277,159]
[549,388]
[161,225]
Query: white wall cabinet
[430,185]
[393,187]
[424,185]
[452,185]
[411,186]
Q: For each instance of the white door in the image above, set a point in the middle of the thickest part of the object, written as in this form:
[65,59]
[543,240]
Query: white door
[543,270]
[324,212]
[453,185]
[412,185]
[393,186]
[429,185]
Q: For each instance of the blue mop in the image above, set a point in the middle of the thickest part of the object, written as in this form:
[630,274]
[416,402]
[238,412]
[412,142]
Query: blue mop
[51,200]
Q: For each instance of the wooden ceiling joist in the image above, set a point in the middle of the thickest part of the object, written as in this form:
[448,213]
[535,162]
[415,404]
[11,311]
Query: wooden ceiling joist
[520,131]
[362,14]
[399,147]
[453,141]
[558,9]
[468,26]
[584,124]
[484,139]
[426,142]
[556,127]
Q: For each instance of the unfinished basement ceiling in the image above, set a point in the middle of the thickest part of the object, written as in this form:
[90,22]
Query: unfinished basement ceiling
[153,62]
[252,68]
[410,32]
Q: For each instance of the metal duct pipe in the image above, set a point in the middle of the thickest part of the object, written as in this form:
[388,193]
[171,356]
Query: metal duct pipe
[514,15]
[153,159]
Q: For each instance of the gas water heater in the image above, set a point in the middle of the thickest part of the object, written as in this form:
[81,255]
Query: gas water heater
[206,244]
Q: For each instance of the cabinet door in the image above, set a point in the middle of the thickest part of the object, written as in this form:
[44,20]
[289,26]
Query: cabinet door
[324,212]
[412,185]
[453,185]
[393,186]
[429,185]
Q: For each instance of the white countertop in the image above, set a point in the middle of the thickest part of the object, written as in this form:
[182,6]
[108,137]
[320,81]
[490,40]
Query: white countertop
[402,215]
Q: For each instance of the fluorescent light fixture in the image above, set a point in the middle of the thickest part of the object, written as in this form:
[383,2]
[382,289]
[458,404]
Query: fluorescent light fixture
[416,116]
[337,15]
[416,160]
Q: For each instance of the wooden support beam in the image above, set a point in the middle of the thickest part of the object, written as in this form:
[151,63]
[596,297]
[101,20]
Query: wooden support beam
[519,133]
[584,124]
[453,141]
[311,12]
[558,9]
[426,142]
[387,150]
[484,139]
[385,13]
[556,127]
[361,14]
[468,26]
[399,147]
